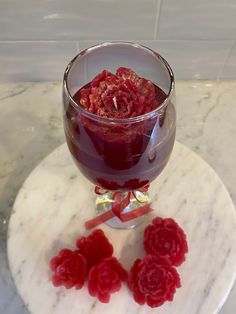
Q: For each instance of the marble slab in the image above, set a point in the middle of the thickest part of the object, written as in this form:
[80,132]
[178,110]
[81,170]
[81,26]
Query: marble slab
[54,202]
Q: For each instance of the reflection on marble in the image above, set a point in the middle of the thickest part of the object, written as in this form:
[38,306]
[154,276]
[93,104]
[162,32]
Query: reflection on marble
[56,200]
[31,127]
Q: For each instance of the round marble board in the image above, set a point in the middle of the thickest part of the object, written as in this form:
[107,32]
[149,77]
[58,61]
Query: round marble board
[55,201]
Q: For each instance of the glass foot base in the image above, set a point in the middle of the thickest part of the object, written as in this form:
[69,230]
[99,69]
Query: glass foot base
[104,203]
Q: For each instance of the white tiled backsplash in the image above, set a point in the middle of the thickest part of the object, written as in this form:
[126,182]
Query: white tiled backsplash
[38,38]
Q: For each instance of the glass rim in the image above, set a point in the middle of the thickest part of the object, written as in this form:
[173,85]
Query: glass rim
[93,116]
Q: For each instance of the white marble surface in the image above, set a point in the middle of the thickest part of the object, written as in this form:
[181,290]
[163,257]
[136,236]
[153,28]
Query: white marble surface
[31,127]
[56,200]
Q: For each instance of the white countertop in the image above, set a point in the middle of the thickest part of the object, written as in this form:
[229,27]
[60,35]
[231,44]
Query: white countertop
[31,127]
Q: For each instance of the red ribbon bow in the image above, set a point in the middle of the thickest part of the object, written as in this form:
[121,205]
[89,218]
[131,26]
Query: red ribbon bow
[118,206]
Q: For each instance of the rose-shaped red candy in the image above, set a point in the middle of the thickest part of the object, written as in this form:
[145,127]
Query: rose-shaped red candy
[105,278]
[69,269]
[165,238]
[153,280]
[122,95]
[95,247]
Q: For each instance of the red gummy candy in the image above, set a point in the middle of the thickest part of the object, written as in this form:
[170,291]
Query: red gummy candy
[123,95]
[105,278]
[95,247]
[165,238]
[153,281]
[69,269]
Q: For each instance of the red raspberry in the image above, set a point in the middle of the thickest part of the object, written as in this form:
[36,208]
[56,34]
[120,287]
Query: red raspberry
[153,281]
[165,238]
[105,278]
[95,247]
[69,269]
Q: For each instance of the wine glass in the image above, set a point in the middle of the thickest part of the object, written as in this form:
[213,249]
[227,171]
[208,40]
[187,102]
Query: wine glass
[121,157]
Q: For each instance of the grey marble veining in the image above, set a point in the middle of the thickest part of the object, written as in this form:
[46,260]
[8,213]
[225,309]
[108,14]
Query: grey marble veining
[31,127]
